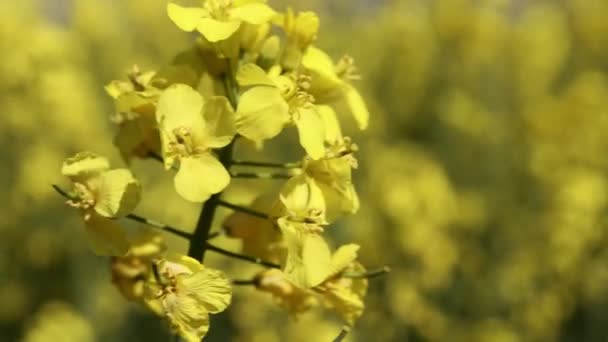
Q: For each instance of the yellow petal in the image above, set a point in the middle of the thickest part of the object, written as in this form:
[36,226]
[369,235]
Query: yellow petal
[210,288]
[138,137]
[105,236]
[338,200]
[269,52]
[311,131]
[333,132]
[187,317]
[262,113]
[180,106]
[357,106]
[186,18]
[251,75]
[215,30]
[220,126]
[318,61]
[303,199]
[343,257]
[84,165]
[118,193]
[346,303]
[308,256]
[253,13]
[199,177]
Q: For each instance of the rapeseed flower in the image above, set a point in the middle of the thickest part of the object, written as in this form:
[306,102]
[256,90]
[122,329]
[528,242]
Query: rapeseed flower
[102,195]
[188,292]
[274,100]
[333,82]
[218,20]
[190,128]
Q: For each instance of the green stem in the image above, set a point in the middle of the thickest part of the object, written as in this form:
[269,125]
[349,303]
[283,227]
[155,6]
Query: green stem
[240,256]
[266,164]
[159,225]
[370,274]
[345,330]
[260,175]
[243,209]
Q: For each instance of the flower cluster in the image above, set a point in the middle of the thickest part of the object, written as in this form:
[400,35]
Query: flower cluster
[251,74]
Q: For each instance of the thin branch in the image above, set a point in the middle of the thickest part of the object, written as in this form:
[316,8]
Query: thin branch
[244,282]
[370,274]
[61,191]
[159,225]
[241,257]
[260,175]
[243,209]
[266,164]
[137,218]
[345,330]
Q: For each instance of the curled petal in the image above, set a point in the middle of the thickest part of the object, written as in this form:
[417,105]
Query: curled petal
[84,165]
[118,193]
[199,177]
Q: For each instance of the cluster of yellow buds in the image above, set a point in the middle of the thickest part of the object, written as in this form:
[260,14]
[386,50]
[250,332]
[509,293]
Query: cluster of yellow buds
[242,80]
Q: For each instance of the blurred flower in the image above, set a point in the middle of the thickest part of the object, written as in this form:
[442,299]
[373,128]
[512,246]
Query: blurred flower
[131,272]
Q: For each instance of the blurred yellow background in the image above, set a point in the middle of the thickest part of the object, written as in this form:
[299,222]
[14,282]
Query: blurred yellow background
[483,178]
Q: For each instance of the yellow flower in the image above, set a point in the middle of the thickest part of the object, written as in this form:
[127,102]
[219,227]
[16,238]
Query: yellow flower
[294,299]
[132,271]
[218,20]
[301,31]
[135,102]
[102,194]
[308,256]
[188,293]
[332,82]
[261,238]
[190,127]
[274,100]
[332,175]
[345,294]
